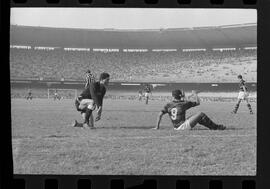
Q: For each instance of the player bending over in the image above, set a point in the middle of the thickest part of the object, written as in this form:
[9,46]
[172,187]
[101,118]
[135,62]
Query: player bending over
[243,95]
[177,112]
[90,99]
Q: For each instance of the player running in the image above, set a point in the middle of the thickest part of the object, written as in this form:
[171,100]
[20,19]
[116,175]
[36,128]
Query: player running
[90,99]
[147,90]
[177,112]
[29,94]
[243,95]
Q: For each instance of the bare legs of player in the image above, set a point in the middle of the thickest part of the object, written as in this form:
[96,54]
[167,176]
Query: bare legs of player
[146,101]
[238,104]
[91,121]
[88,120]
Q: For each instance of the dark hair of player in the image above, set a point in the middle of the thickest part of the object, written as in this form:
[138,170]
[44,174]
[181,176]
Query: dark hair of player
[104,75]
[239,76]
[88,71]
[177,94]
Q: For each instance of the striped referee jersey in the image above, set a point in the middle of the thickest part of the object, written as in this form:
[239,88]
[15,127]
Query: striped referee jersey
[90,78]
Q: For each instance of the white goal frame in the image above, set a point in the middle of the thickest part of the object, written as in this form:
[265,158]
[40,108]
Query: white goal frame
[75,91]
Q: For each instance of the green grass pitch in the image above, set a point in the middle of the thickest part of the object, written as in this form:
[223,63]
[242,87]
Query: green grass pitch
[43,141]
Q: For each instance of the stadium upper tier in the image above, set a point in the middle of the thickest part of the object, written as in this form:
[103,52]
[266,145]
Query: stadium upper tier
[198,37]
[208,66]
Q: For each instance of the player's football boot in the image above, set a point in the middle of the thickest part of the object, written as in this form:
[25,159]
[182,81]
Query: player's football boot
[221,127]
[88,126]
[75,123]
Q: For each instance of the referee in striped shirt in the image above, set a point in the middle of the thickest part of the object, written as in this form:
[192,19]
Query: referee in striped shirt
[90,78]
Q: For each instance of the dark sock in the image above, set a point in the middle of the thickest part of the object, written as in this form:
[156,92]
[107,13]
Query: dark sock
[88,113]
[236,107]
[249,107]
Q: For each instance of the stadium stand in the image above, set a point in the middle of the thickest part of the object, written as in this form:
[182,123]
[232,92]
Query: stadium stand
[177,66]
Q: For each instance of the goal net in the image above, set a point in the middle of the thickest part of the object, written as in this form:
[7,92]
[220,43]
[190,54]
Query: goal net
[62,93]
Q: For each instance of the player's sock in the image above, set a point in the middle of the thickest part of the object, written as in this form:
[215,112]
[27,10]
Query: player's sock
[250,109]
[75,123]
[88,113]
[235,108]
[207,122]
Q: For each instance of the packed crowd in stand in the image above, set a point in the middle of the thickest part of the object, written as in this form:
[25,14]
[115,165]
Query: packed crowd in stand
[133,66]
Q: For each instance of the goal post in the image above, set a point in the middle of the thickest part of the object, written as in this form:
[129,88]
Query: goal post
[63,93]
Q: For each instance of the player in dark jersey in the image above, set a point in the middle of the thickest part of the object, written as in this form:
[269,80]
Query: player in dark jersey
[177,112]
[147,92]
[29,94]
[243,95]
[90,99]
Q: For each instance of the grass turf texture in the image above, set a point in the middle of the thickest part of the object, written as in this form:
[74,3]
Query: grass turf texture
[123,143]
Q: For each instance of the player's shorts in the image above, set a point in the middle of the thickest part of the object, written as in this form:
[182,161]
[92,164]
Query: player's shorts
[89,103]
[146,94]
[242,95]
[184,126]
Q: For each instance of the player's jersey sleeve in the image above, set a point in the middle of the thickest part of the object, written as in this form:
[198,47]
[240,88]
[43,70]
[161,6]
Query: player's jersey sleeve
[165,109]
[190,104]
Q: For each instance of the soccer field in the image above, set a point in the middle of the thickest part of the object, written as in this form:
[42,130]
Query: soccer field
[124,144]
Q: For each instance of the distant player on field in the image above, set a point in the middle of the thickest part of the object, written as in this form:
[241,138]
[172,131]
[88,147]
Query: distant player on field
[177,112]
[89,78]
[90,99]
[29,94]
[56,95]
[243,95]
[140,95]
[147,91]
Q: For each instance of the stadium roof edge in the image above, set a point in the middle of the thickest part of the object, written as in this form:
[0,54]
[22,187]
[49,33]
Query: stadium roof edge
[140,30]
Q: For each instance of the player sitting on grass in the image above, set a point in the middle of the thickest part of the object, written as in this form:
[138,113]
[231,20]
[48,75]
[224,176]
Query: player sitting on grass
[91,98]
[177,112]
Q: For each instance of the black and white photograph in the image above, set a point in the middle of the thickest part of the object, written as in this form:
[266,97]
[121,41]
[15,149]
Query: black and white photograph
[133,91]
